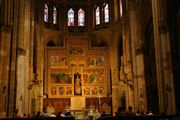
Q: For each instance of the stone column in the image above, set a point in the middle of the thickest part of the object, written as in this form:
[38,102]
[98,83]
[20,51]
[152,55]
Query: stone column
[116,13]
[115,90]
[127,61]
[23,58]
[6,30]
[137,56]
[31,50]
[11,9]
[163,57]
[38,58]
[20,60]
[4,67]
[115,58]
[27,58]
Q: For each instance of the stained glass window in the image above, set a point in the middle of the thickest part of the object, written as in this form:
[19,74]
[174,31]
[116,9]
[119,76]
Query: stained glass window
[106,13]
[0,8]
[121,10]
[45,12]
[97,16]
[54,15]
[123,7]
[81,17]
[70,17]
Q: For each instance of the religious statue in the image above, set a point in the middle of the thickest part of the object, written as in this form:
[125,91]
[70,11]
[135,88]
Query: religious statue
[78,85]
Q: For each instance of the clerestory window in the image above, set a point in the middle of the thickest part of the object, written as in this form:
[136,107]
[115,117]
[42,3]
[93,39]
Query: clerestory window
[70,17]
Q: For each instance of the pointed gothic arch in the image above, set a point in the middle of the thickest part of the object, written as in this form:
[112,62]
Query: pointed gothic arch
[46,13]
[106,12]
[97,16]
[81,17]
[55,15]
[70,16]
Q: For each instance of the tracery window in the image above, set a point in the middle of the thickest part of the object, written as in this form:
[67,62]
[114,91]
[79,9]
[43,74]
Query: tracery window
[121,9]
[81,17]
[106,13]
[70,17]
[97,13]
[54,15]
[1,11]
[45,12]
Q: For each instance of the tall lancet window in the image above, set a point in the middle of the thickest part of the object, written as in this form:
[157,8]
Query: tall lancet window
[1,11]
[81,17]
[106,13]
[97,16]
[121,9]
[45,12]
[54,15]
[70,17]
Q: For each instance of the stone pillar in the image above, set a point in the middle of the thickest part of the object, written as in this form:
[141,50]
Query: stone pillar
[127,62]
[10,24]
[22,98]
[137,56]
[115,58]
[5,44]
[163,57]
[115,90]
[38,57]
[31,50]
[4,67]
[116,10]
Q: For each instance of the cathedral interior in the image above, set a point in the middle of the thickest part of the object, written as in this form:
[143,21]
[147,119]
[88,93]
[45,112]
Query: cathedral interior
[89,54]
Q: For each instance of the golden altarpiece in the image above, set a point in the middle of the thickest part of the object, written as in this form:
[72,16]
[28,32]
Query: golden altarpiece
[78,72]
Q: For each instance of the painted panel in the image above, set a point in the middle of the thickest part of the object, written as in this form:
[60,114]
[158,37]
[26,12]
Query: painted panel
[93,76]
[61,77]
[77,62]
[56,61]
[86,91]
[77,50]
[98,90]
[54,90]
[69,91]
[61,90]
[93,61]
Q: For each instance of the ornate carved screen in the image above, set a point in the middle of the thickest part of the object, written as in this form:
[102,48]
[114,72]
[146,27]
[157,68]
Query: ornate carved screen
[77,69]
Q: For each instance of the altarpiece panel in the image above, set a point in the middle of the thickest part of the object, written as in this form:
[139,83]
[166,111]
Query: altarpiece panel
[77,69]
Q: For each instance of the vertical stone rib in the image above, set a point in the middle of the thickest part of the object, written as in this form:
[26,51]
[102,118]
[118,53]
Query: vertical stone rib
[162,51]
[158,52]
[137,42]
[12,71]
[133,34]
